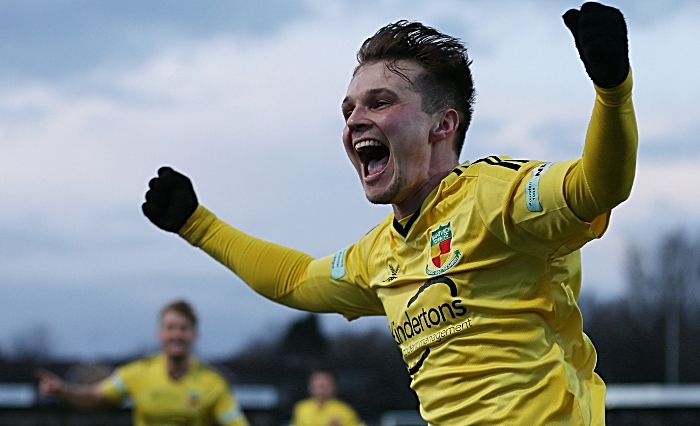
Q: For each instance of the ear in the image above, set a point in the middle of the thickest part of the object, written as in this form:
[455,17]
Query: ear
[445,127]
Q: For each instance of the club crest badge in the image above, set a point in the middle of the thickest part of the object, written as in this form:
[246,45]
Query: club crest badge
[193,399]
[442,257]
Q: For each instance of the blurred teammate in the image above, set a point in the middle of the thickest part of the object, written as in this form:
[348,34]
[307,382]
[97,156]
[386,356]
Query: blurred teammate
[322,408]
[478,268]
[170,388]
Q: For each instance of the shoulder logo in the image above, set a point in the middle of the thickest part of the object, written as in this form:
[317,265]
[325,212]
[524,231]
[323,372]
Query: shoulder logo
[442,257]
[532,189]
[338,264]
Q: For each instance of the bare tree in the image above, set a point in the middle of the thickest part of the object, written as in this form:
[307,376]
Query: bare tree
[32,343]
[665,285]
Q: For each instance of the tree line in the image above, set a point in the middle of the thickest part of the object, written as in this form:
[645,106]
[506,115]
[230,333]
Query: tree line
[652,333]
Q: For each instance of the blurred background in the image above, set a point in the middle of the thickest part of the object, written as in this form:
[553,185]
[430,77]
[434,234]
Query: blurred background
[244,97]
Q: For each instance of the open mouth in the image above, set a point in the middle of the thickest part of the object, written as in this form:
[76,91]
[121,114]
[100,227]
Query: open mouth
[374,156]
[179,344]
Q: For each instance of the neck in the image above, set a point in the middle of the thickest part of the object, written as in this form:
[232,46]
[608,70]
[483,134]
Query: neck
[177,366]
[411,204]
[321,401]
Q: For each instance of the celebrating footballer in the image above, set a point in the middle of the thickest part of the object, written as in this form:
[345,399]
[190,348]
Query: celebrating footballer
[477,269]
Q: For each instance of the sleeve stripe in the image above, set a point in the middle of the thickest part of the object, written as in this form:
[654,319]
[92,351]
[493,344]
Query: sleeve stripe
[118,384]
[233,413]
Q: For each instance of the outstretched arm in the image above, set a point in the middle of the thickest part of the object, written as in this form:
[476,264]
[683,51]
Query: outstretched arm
[604,176]
[84,397]
[279,273]
[171,204]
[271,270]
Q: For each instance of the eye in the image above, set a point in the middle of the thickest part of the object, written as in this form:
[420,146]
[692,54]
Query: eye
[380,103]
[347,113]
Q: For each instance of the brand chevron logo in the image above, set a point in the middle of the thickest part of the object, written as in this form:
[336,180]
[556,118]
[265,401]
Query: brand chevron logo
[394,273]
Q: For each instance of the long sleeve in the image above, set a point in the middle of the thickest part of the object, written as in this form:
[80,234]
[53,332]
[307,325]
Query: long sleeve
[281,274]
[271,270]
[604,176]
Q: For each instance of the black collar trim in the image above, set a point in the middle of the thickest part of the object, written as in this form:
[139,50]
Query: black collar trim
[403,230]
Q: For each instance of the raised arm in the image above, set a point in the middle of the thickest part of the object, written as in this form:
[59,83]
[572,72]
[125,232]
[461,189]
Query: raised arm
[604,176]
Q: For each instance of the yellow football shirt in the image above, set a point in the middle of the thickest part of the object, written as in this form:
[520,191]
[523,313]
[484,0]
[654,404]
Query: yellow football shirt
[479,289]
[201,398]
[334,412]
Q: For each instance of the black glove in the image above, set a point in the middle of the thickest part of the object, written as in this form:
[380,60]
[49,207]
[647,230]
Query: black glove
[170,201]
[601,39]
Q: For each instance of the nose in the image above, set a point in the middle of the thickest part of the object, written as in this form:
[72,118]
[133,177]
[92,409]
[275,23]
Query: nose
[358,119]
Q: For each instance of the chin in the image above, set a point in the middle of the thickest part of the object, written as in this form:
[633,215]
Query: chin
[382,196]
[378,198]
[178,353]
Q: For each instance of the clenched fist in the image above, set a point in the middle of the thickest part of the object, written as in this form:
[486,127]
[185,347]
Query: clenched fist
[170,200]
[600,34]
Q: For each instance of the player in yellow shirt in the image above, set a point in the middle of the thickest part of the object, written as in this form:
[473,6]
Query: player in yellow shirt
[171,388]
[478,268]
[322,408]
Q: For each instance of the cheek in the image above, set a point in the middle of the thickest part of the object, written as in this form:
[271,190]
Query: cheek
[401,130]
[347,141]
[349,150]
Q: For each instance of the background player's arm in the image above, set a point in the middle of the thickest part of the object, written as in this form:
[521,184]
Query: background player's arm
[84,397]
[603,178]
[227,411]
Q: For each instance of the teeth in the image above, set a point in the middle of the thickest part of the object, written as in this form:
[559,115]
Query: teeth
[365,144]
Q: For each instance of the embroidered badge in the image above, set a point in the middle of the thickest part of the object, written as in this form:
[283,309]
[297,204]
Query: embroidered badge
[532,189]
[441,255]
[193,399]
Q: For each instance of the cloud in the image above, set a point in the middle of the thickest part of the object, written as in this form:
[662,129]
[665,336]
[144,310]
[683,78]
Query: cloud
[48,40]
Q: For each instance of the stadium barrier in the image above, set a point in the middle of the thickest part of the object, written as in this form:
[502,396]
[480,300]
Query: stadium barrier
[652,396]
[619,397]
[671,403]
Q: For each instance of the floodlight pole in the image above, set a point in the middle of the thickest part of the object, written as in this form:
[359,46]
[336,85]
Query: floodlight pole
[673,322]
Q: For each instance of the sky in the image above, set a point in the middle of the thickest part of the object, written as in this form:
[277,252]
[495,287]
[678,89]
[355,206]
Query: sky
[244,98]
